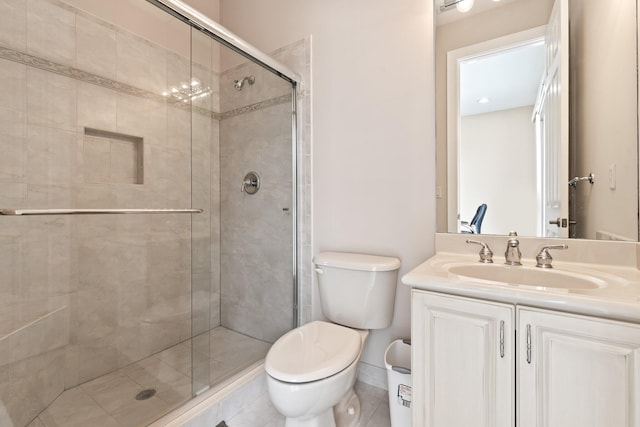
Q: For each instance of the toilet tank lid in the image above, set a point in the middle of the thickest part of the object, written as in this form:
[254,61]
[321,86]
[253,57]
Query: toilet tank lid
[353,261]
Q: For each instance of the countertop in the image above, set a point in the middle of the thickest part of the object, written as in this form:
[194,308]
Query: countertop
[619,299]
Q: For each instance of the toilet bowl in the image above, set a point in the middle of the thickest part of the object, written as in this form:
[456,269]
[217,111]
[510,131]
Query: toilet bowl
[311,370]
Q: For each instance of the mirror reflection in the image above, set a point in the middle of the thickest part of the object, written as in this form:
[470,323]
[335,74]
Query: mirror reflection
[537,118]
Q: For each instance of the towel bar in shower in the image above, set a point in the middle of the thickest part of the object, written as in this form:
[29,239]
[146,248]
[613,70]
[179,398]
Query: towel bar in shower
[20,212]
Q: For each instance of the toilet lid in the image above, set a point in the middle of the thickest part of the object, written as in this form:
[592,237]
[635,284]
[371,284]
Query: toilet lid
[312,352]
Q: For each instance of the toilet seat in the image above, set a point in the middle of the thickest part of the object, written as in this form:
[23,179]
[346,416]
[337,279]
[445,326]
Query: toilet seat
[312,352]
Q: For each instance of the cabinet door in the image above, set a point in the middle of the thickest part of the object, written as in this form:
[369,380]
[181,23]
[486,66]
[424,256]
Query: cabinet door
[577,371]
[463,364]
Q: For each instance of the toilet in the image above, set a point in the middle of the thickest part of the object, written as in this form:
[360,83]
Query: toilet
[311,370]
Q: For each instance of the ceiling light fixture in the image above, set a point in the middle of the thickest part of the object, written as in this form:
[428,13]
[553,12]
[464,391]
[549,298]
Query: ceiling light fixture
[461,5]
[483,100]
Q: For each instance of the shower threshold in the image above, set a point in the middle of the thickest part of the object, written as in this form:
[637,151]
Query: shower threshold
[110,400]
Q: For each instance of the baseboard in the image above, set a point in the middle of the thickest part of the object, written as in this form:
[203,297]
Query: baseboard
[372,375]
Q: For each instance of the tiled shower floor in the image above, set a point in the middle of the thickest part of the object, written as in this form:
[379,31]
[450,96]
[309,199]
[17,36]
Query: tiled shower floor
[109,401]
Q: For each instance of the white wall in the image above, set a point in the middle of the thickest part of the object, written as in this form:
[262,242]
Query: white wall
[498,167]
[604,107]
[373,125]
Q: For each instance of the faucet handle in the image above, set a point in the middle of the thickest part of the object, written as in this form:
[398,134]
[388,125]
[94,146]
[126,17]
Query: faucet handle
[486,256]
[544,259]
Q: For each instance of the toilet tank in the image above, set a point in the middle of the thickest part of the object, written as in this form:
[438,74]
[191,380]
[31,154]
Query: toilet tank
[357,290]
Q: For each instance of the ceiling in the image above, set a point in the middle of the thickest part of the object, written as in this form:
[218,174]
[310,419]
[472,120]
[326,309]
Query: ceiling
[452,14]
[507,79]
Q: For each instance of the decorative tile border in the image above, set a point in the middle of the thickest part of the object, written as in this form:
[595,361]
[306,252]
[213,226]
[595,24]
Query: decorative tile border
[86,77]
[254,107]
[77,74]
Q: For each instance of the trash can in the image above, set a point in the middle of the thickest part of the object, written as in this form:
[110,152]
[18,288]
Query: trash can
[397,359]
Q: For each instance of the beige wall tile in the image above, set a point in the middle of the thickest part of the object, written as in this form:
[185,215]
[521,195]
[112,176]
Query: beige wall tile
[9,286]
[13,84]
[46,334]
[52,156]
[41,196]
[141,118]
[140,63]
[178,71]
[96,160]
[95,46]
[45,18]
[13,15]
[96,108]
[93,326]
[51,100]
[179,130]
[13,161]
[13,119]
[256,240]
[124,162]
[96,196]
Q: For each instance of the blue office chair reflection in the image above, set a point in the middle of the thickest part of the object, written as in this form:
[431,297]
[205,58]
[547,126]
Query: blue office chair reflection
[476,222]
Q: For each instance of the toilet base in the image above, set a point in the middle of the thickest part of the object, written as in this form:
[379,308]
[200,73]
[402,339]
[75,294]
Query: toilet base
[324,419]
[345,414]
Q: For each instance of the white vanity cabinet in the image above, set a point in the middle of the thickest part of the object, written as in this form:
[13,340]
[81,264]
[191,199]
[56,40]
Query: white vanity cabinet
[463,369]
[569,370]
[576,371]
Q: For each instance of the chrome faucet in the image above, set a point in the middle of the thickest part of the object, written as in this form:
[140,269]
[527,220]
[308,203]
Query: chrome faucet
[512,255]
[543,259]
[486,256]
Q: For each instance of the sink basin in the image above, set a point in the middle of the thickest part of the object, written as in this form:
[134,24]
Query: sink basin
[527,276]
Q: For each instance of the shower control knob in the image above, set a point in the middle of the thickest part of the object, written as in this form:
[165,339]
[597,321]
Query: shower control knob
[250,183]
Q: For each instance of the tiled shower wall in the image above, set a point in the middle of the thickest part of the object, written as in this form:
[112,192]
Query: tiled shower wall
[257,295]
[82,296]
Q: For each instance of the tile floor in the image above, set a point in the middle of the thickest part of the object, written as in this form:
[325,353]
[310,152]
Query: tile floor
[109,401]
[374,405]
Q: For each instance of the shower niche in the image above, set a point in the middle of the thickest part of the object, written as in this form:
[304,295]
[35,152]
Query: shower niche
[110,157]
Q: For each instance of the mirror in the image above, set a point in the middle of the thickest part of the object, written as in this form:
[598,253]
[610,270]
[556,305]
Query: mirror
[506,162]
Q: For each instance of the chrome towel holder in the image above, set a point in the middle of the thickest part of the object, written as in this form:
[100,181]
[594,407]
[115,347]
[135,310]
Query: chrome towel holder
[23,212]
[591,178]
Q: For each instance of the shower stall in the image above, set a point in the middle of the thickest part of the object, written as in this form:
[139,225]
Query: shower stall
[147,209]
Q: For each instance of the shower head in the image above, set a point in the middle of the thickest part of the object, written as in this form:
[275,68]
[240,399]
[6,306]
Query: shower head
[239,83]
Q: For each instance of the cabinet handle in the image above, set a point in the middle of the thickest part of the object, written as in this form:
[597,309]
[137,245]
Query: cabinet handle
[502,339]
[529,344]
